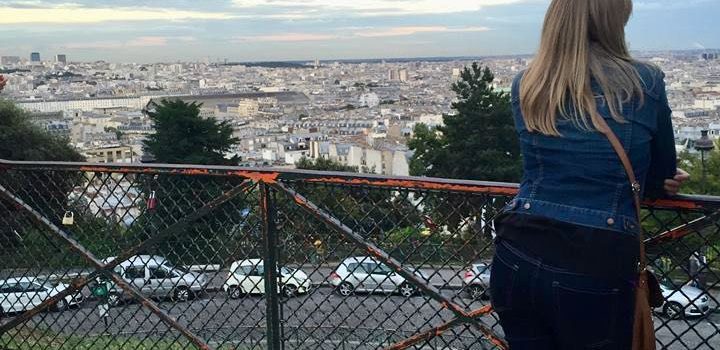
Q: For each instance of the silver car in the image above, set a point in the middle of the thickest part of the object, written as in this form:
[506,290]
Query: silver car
[686,301]
[477,280]
[365,274]
[21,294]
[156,277]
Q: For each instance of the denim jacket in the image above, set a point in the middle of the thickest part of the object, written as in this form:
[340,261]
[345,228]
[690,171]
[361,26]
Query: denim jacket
[578,177]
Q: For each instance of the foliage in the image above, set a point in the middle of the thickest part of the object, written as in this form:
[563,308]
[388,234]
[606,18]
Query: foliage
[692,163]
[184,137]
[323,164]
[211,239]
[429,147]
[21,140]
[478,141]
[26,338]
[676,255]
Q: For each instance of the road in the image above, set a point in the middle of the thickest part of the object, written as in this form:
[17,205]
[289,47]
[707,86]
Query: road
[319,320]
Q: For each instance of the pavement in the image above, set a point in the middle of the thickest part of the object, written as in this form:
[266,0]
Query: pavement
[318,319]
[322,319]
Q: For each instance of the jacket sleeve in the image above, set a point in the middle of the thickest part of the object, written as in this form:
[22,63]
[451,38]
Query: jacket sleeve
[663,163]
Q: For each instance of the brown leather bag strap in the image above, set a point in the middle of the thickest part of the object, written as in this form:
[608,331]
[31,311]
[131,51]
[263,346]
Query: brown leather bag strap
[604,128]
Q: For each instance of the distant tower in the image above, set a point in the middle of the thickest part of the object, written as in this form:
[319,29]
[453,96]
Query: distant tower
[61,59]
[35,57]
[393,74]
[403,75]
[317,63]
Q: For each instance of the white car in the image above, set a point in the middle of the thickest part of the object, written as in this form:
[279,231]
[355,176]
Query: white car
[248,277]
[686,301]
[477,280]
[21,294]
[155,276]
[366,274]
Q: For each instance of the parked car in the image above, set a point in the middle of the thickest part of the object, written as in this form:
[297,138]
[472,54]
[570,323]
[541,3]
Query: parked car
[248,277]
[365,274]
[21,294]
[686,301]
[477,280]
[156,277]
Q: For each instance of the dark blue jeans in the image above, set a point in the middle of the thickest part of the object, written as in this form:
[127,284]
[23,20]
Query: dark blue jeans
[551,307]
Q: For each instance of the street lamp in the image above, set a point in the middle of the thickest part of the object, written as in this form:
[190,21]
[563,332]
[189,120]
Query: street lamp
[703,145]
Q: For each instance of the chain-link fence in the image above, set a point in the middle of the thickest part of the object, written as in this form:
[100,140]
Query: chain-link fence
[166,257]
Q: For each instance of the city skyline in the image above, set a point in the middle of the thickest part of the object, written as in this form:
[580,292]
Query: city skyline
[257,30]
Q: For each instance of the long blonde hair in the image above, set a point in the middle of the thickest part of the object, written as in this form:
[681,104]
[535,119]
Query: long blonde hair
[581,40]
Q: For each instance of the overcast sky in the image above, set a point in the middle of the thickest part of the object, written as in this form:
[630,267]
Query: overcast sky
[248,30]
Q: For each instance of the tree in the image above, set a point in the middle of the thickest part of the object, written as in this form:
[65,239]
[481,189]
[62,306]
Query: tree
[478,141]
[323,164]
[182,136]
[22,140]
[706,241]
[430,151]
[710,184]
[46,191]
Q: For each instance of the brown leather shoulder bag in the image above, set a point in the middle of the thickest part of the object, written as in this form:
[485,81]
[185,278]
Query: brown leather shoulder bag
[648,293]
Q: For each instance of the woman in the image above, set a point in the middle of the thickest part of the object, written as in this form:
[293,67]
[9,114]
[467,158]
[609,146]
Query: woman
[3,81]
[567,251]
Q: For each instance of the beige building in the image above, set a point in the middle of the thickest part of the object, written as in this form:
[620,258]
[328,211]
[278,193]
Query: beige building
[111,154]
[247,108]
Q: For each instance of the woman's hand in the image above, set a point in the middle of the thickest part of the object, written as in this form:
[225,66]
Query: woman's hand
[3,81]
[672,186]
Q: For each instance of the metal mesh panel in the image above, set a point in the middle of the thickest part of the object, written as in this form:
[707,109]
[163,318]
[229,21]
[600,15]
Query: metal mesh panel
[225,258]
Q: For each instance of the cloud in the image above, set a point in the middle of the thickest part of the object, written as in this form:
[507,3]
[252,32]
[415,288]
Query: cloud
[670,4]
[375,7]
[405,31]
[74,14]
[143,41]
[357,32]
[287,37]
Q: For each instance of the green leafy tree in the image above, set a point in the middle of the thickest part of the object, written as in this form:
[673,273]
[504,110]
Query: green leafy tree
[478,141]
[675,255]
[45,191]
[428,145]
[372,212]
[699,184]
[22,140]
[323,164]
[182,136]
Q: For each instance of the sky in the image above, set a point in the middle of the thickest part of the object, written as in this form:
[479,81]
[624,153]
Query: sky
[269,30]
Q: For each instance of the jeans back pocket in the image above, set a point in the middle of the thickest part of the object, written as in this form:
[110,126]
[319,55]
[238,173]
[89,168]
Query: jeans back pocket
[586,318]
